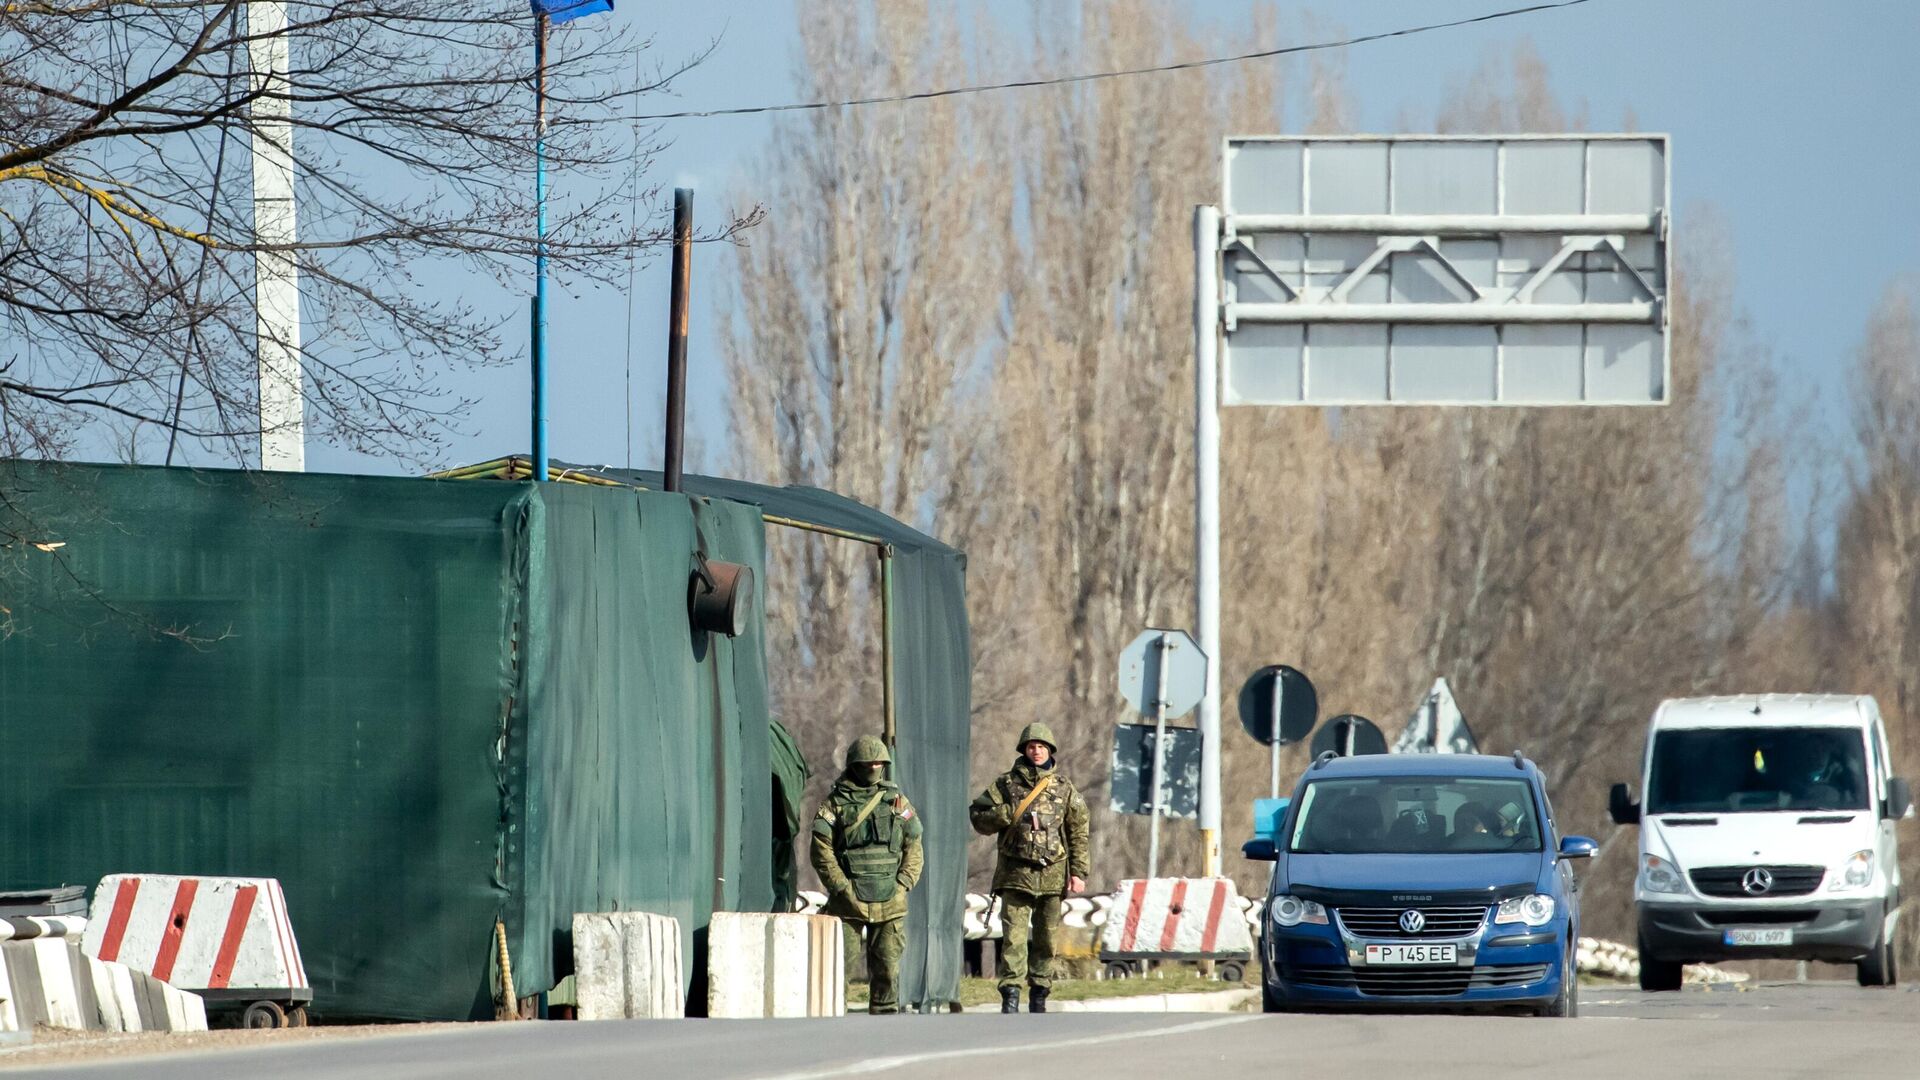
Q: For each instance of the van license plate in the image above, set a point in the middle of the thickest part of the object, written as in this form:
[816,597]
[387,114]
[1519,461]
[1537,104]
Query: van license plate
[1411,954]
[1759,937]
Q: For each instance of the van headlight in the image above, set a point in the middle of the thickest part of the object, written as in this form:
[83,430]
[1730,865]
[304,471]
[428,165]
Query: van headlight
[1292,911]
[1535,910]
[1855,873]
[1657,875]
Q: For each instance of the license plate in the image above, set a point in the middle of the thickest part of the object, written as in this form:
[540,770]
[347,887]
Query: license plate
[1759,937]
[1411,954]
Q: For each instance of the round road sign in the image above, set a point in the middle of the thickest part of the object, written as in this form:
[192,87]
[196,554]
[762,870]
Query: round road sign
[1299,704]
[1349,729]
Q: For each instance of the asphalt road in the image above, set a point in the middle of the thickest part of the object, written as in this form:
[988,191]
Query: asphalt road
[1773,1030]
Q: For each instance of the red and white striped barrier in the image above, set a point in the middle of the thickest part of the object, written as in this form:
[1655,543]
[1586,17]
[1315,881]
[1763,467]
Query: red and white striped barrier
[228,939]
[1175,918]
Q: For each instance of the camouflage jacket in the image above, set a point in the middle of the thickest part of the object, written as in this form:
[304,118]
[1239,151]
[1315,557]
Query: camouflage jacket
[1049,842]
[867,864]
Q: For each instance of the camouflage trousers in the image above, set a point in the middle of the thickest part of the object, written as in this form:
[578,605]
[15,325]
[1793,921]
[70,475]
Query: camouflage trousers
[882,943]
[1026,949]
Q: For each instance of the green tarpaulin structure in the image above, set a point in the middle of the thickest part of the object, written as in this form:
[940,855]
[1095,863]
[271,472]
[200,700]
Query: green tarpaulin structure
[422,705]
[930,706]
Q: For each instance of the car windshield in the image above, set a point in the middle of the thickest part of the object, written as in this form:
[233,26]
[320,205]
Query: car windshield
[1415,815]
[1752,770]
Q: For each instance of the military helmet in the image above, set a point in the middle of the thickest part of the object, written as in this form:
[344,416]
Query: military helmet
[1037,732]
[868,748]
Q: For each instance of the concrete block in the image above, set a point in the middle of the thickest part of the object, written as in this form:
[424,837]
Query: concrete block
[626,965]
[775,965]
[57,985]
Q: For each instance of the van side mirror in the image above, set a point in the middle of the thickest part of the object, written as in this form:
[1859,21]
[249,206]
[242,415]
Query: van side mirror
[1622,807]
[1578,847]
[1899,799]
[1261,850]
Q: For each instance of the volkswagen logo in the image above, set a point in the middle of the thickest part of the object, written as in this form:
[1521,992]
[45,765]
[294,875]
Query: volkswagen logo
[1755,881]
[1412,921]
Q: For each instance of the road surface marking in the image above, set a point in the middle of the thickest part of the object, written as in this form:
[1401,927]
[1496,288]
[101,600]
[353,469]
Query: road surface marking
[874,1065]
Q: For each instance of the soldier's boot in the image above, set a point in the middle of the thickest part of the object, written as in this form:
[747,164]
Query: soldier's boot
[1037,999]
[1009,999]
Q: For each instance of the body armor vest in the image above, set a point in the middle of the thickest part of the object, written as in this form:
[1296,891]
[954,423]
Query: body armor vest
[870,851]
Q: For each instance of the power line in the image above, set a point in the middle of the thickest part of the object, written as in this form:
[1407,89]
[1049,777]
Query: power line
[1189,65]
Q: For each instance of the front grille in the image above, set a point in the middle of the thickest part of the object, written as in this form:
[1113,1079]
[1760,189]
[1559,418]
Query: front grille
[1418,981]
[1441,922]
[1730,880]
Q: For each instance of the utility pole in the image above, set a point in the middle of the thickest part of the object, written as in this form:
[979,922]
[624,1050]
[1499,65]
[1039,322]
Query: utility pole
[276,277]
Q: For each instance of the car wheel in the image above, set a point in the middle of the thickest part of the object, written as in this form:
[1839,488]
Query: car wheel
[1567,1002]
[1658,975]
[1876,969]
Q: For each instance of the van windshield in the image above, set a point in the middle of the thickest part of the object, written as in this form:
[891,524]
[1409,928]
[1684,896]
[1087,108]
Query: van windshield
[1415,815]
[1752,770]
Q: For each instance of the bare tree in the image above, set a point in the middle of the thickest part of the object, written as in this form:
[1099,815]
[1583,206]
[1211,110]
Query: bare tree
[127,248]
[1565,570]
[1873,617]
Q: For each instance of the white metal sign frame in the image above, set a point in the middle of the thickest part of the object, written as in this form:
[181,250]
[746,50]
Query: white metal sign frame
[1445,270]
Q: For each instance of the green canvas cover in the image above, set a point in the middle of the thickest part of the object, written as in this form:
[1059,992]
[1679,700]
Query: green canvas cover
[421,705]
[790,775]
[933,678]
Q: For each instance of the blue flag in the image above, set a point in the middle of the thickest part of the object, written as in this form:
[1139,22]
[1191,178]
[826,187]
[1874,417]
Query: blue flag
[560,11]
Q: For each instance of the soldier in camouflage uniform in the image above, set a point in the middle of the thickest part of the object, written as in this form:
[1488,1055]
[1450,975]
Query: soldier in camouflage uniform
[1041,821]
[866,849]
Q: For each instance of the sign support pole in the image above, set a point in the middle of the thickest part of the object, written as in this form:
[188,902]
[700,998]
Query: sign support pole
[1206,516]
[1163,646]
[1279,694]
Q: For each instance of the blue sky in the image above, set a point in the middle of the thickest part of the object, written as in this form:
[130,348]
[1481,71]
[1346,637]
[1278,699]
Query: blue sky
[1799,123]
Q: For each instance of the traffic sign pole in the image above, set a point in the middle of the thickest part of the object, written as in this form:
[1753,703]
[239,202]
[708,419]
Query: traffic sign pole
[1279,695]
[1159,756]
[1206,515]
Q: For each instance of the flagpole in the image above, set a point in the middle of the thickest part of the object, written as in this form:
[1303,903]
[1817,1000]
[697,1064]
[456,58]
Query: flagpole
[540,248]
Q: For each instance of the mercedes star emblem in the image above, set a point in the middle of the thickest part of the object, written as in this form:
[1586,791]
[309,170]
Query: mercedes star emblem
[1756,881]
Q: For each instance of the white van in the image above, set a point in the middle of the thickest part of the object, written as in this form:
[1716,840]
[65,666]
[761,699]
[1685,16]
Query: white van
[1766,830]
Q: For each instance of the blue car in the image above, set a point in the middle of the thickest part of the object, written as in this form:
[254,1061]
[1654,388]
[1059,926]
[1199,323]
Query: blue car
[1421,881]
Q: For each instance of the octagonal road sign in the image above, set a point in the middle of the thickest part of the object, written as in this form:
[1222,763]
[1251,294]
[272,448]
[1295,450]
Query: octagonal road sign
[1186,668]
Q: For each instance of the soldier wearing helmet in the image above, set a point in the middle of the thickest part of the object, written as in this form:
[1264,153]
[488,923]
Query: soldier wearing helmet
[866,849]
[1041,822]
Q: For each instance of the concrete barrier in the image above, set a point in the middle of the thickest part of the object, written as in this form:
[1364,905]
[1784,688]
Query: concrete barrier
[229,938]
[27,927]
[1175,918]
[626,966]
[775,965]
[51,981]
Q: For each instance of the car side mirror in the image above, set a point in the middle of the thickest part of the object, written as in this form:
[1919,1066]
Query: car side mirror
[1899,798]
[1261,850]
[1578,847]
[1622,807]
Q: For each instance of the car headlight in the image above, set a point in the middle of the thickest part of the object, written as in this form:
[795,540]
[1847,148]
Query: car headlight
[1292,911]
[1535,910]
[1657,875]
[1855,873]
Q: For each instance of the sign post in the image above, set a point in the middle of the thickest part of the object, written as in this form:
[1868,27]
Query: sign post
[1163,674]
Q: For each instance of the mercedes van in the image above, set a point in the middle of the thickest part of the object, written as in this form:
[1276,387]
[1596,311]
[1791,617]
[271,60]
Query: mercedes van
[1766,831]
